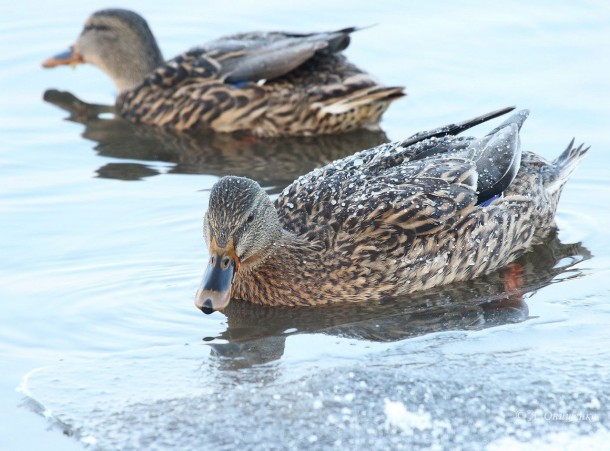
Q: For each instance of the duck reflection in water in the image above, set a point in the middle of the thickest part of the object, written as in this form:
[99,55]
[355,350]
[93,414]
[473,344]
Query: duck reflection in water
[272,162]
[256,334]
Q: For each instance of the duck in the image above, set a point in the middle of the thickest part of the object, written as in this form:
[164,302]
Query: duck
[434,209]
[265,84]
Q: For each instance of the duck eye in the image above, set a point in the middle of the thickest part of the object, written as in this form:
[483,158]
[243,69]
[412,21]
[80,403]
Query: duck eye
[249,221]
[96,27]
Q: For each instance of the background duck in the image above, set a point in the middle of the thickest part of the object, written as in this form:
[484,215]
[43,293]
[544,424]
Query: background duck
[265,83]
[391,220]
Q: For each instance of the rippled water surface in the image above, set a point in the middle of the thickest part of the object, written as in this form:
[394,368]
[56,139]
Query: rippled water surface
[100,234]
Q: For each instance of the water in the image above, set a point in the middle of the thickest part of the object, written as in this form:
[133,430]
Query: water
[102,251]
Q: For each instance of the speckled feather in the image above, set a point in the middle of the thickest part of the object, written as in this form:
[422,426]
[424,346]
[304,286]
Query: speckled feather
[196,90]
[400,218]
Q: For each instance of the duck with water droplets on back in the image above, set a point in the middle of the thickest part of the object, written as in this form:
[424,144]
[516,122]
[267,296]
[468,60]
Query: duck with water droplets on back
[398,218]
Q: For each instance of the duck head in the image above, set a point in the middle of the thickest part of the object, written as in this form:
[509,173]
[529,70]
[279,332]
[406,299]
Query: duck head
[117,41]
[241,229]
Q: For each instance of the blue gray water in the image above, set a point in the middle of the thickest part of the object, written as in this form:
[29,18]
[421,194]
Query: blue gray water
[100,234]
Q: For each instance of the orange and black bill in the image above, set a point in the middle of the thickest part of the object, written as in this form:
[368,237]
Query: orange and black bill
[69,57]
[215,290]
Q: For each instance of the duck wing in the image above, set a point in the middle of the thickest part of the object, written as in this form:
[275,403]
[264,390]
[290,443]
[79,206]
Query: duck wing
[421,188]
[246,57]
[265,56]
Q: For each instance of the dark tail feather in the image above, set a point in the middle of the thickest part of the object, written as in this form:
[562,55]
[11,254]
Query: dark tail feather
[459,127]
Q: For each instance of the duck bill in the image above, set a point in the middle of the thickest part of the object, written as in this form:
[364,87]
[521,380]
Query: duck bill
[215,290]
[69,57]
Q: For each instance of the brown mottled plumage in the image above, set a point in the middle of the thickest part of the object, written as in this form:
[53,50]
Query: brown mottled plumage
[387,221]
[474,304]
[267,84]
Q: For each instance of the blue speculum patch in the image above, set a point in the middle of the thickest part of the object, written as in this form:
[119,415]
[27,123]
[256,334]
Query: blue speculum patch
[239,84]
[486,203]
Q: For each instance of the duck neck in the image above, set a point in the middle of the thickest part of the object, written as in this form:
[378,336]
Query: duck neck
[132,73]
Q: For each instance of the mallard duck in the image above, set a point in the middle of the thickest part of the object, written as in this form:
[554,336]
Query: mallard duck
[398,218]
[264,83]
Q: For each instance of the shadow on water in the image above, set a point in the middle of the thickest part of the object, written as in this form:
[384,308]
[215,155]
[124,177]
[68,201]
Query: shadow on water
[256,334]
[271,162]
